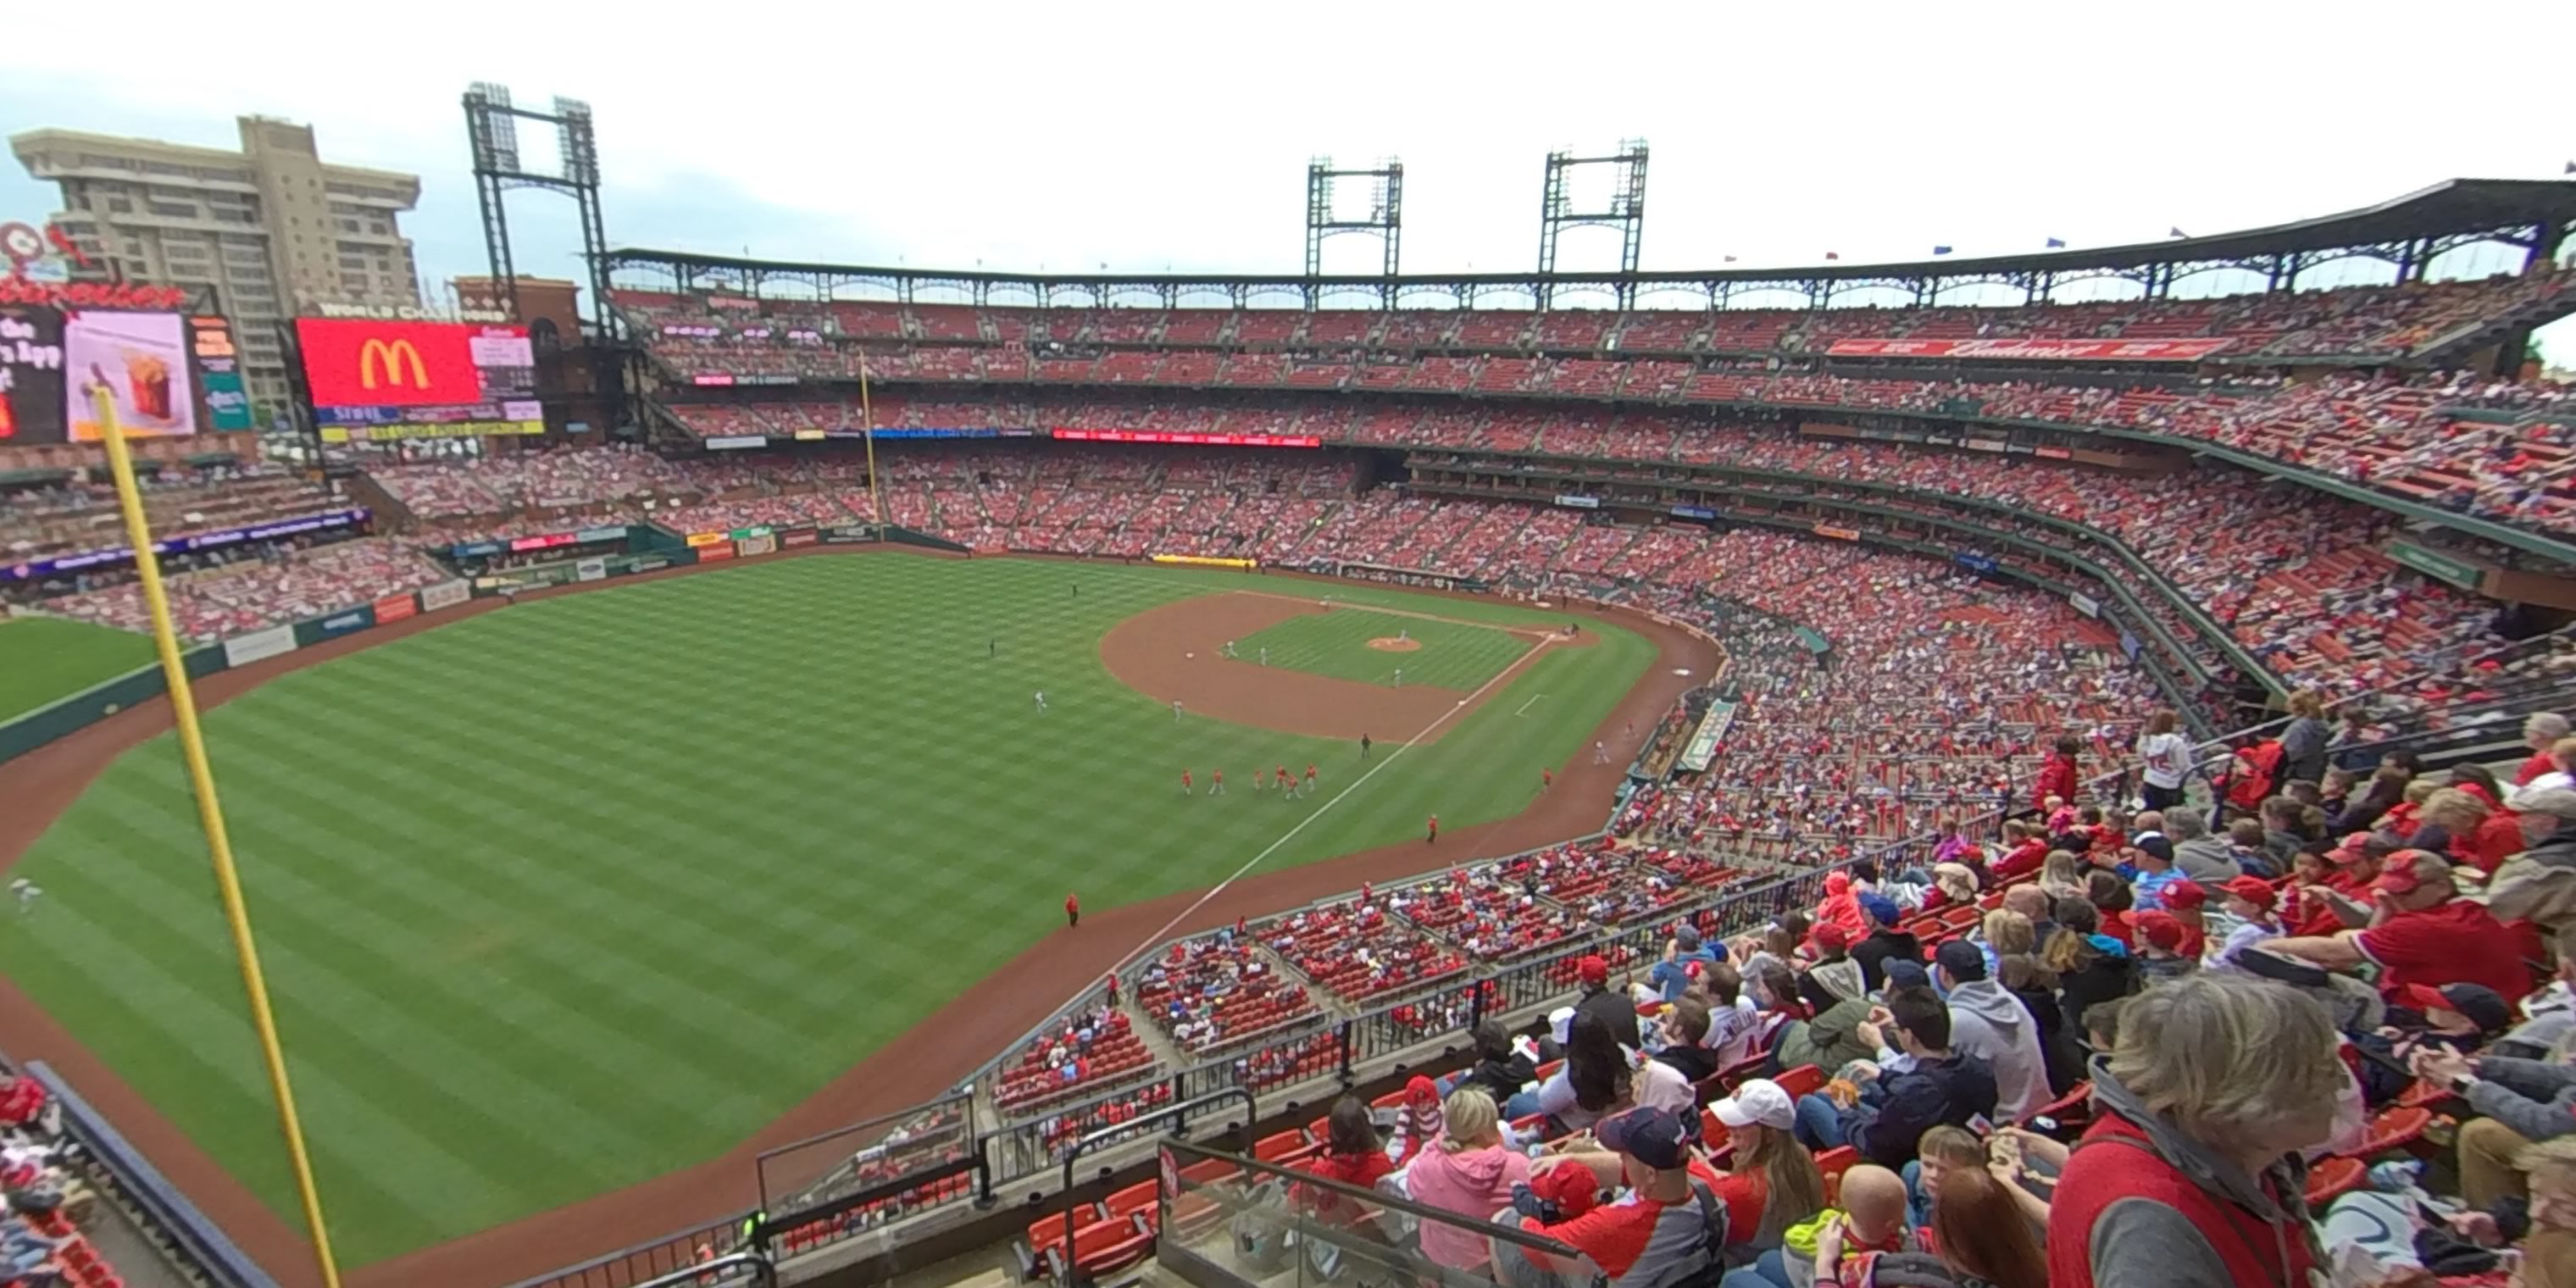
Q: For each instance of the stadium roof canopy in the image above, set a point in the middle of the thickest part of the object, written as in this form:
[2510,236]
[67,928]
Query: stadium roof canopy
[2407,233]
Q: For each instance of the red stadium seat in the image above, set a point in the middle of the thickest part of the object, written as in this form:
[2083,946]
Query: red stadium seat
[1106,1247]
[2333,1177]
[1833,1163]
[2395,1128]
[1282,1145]
[1800,1081]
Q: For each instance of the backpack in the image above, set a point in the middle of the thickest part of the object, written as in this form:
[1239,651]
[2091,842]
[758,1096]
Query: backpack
[2255,786]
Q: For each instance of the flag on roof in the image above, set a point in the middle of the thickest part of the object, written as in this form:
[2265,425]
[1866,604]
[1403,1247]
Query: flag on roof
[2057,243]
[2571,168]
[1730,259]
[1831,255]
[2176,232]
[1940,250]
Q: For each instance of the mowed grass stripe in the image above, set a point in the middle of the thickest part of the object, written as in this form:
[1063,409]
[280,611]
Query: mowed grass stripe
[665,858]
[1338,644]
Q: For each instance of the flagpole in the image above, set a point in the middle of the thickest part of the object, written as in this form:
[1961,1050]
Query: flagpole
[210,817]
[868,432]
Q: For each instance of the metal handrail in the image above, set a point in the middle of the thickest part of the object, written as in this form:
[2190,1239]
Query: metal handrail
[1104,1135]
[709,1272]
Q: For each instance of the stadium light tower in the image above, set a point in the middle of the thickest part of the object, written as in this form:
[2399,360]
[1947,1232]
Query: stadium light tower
[1626,211]
[1385,221]
[492,123]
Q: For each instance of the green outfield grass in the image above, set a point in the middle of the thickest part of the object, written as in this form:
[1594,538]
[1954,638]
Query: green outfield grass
[563,897]
[1452,656]
[46,659]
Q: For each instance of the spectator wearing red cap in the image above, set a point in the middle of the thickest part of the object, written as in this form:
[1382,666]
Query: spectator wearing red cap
[2254,907]
[2184,901]
[2160,948]
[1604,1003]
[2423,933]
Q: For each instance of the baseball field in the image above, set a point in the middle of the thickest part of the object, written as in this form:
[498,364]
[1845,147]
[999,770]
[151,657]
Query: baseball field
[564,896]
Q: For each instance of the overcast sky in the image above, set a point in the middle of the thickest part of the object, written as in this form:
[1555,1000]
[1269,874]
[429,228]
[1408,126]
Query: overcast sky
[1145,136]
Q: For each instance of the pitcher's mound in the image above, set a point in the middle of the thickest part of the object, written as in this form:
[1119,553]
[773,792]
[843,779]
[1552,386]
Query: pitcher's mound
[1390,644]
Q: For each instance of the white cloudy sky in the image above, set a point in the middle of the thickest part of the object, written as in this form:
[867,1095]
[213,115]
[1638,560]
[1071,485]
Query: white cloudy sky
[1153,136]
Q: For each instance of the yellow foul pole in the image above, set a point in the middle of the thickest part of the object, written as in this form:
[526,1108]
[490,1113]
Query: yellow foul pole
[868,431]
[210,816]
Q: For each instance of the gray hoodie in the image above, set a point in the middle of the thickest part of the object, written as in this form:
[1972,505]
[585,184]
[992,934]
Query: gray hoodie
[1988,1022]
[2206,861]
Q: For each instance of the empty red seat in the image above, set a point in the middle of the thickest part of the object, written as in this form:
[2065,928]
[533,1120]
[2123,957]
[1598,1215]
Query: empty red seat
[1273,1148]
[1802,1080]
[1105,1247]
[2396,1128]
[2333,1177]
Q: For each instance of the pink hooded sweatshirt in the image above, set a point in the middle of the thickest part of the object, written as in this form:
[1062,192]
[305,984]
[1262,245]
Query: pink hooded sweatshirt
[1475,1184]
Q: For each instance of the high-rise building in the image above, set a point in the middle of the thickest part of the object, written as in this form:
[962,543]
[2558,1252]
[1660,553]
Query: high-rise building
[266,232]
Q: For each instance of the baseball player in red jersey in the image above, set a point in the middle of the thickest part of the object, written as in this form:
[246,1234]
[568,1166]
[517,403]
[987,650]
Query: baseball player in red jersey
[1310,776]
[1546,778]
[1072,911]
[1434,833]
[1185,783]
[1216,782]
[1280,774]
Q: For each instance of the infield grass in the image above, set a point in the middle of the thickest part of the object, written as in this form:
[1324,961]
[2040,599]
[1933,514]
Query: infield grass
[562,897]
[46,659]
[1450,656]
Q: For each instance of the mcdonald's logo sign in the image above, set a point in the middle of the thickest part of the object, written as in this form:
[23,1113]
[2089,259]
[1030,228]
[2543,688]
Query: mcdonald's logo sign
[368,362]
[391,357]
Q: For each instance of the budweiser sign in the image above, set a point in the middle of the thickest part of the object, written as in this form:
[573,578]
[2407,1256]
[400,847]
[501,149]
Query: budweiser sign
[2023,347]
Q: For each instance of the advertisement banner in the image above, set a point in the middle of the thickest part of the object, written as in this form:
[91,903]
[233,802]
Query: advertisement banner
[219,374]
[756,546]
[1577,501]
[708,538]
[1699,512]
[520,545]
[649,565]
[800,537]
[2434,564]
[446,594]
[185,543]
[141,359]
[1205,561]
[1198,440]
[613,532]
[710,554]
[1981,565]
[2052,453]
[394,608]
[849,532]
[735,442]
[2129,646]
[356,619]
[809,435]
[591,570]
[1838,534]
[2085,604]
[1985,444]
[2028,348]
[368,362]
[242,650]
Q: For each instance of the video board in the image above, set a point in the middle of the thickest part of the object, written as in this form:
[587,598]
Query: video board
[374,379]
[168,374]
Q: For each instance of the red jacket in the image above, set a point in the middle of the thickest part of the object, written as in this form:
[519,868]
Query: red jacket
[1360,1170]
[2056,778]
[2116,1161]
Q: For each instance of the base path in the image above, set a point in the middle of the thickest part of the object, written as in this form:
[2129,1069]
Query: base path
[1176,652]
[925,1064]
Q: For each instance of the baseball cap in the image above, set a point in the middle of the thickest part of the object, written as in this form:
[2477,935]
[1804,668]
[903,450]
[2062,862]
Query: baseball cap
[1757,1100]
[1593,970]
[2483,1006]
[2184,894]
[1573,1189]
[1687,935]
[2158,928]
[1832,938]
[1561,1023]
[2557,802]
[1649,1135]
[2411,870]
[2253,890]
[1965,962]
[1421,1091]
[1880,908]
[1905,974]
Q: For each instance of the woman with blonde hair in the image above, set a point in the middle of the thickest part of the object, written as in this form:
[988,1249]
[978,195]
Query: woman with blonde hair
[2472,834]
[2190,1176]
[2005,933]
[1469,1172]
[2061,877]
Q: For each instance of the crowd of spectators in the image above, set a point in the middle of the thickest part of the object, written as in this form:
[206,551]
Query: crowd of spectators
[277,583]
[556,480]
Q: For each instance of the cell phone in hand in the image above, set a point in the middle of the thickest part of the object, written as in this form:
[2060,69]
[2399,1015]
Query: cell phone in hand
[1981,1125]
